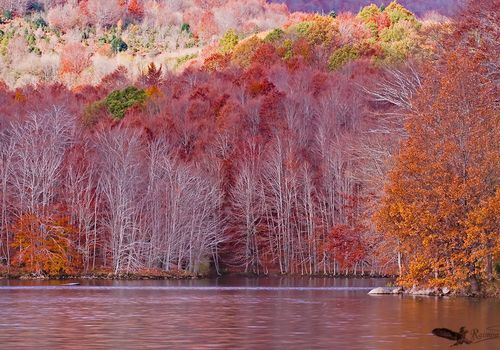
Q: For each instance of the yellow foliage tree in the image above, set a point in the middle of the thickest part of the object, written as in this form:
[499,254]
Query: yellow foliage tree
[442,198]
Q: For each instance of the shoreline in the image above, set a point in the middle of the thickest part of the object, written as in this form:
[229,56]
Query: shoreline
[388,289]
[131,276]
[173,275]
[431,292]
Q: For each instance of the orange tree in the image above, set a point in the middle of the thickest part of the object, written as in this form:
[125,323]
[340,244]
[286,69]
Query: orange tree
[45,245]
[442,198]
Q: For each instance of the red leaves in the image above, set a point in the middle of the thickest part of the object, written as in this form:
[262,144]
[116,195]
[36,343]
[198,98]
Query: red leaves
[136,9]
[347,244]
[256,82]
[217,62]
[265,55]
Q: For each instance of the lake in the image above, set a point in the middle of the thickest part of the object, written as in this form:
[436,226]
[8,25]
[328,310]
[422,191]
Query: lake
[232,313]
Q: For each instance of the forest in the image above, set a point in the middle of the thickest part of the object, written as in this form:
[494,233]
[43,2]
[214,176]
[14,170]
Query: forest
[247,136]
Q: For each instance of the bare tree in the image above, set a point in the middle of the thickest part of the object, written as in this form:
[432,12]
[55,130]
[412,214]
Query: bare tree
[81,179]
[6,157]
[122,180]
[40,144]
[247,211]
[398,87]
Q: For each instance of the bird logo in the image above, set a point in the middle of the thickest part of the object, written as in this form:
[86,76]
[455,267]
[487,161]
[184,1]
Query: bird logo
[459,337]
[463,336]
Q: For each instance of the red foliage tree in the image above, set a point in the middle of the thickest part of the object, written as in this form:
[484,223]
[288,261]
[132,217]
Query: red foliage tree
[135,9]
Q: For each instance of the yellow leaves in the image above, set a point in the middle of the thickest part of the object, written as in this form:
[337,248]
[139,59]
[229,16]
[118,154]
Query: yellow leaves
[322,31]
[244,51]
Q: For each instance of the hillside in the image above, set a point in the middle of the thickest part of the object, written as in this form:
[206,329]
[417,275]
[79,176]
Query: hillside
[79,43]
[420,8]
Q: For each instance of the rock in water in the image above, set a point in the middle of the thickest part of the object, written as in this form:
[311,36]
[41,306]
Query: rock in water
[445,290]
[386,290]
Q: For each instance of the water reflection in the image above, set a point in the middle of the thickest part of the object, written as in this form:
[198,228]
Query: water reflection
[230,313]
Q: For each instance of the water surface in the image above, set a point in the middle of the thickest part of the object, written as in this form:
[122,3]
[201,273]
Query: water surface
[231,313]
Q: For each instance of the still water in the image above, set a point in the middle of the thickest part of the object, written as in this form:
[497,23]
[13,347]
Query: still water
[232,313]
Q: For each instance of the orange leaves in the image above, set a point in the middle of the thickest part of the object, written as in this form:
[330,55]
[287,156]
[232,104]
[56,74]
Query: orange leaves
[441,201]
[45,245]
[153,92]
[19,96]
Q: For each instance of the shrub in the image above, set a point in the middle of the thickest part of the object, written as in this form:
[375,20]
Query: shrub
[30,39]
[39,23]
[119,101]
[342,56]
[35,50]
[118,45]
[185,28]
[8,15]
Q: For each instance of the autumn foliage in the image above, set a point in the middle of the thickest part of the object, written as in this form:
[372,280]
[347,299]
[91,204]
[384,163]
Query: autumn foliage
[181,135]
[45,245]
[441,202]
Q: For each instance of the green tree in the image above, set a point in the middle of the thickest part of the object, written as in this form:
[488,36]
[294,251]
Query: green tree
[119,101]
